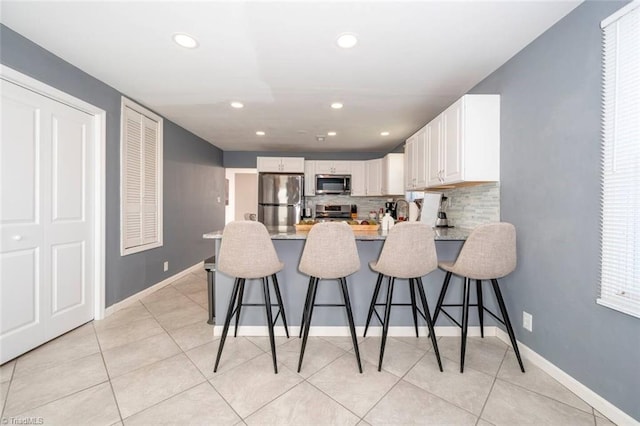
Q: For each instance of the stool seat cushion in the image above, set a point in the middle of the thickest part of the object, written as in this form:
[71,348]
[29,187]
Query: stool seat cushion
[247,251]
[488,253]
[330,251]
[408,252]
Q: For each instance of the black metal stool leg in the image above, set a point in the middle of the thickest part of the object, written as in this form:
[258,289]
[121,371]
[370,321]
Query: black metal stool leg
[227,321]
[276,287]
[414,309]
[240,298]
[465,321]
[480,307]
[385,326]
[507,323]
[210,297]
[267,305]
[427,314]
[307,320]
[443,292]
[306,306]
[372,306]
[352,327]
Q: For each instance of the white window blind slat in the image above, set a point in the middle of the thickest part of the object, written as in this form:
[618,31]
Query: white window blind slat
[141,188]
[620,224]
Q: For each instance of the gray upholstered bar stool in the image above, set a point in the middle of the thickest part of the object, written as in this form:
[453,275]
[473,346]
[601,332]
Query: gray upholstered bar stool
[409,252]
[330,253]
[488,254]
[246,253]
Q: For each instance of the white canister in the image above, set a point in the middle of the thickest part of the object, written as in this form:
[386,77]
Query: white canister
[387,222]
[414,212]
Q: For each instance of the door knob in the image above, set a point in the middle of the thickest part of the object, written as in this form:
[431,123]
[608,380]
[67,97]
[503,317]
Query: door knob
[16,237]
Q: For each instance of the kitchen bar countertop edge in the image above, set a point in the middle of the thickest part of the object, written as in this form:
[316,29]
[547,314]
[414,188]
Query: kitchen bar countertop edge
[441,234]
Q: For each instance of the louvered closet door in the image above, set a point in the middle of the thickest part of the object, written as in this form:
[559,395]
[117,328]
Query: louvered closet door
[46,220]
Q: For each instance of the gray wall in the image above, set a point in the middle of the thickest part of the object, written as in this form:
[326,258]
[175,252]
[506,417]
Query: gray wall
[550,189]
[193,176]
[247,159]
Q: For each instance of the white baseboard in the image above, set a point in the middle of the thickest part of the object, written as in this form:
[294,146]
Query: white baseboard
[147,291]
[609,410]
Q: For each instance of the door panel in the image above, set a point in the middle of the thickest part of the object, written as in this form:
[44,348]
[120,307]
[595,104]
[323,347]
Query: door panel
[19,272]
[68,280]
[69,164]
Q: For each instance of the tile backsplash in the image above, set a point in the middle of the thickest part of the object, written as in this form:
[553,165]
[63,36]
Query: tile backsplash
[469,206]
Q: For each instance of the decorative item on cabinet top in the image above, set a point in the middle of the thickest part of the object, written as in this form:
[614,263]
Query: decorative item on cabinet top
[460,147]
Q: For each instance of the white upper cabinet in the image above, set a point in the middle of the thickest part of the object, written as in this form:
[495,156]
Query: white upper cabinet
[460,145]
[327,167]
[309,177]
[280,164]
[358,179]
[392,178]
[374,176]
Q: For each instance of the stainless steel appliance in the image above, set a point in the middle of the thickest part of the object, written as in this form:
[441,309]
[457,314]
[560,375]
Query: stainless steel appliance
[442,221]
[333,212]
[280,200]
[333,184]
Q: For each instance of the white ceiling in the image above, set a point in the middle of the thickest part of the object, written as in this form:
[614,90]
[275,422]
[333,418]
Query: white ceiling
[280,59]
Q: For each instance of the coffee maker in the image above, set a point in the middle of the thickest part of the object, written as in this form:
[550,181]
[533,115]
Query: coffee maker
[392,208]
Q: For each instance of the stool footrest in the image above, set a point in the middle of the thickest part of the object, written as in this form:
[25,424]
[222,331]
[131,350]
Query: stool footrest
[342,305]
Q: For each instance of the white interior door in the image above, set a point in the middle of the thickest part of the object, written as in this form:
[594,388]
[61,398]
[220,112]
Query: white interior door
[46,219]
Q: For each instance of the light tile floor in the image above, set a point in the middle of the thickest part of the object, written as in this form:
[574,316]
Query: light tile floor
[152,363]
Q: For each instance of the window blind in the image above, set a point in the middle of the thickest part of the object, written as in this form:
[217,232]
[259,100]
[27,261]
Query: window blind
[141,179]
[620,204]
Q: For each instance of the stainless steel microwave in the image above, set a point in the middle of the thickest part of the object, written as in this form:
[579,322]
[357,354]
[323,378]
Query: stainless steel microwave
[333,184]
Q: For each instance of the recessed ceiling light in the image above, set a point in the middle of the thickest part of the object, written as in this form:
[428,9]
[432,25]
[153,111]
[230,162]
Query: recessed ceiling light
[347,40]
[185,40]
[336,105]
[260,133]
[331,133]
[384,133]
[237,104]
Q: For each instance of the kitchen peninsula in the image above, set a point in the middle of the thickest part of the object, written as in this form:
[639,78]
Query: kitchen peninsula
[289,246]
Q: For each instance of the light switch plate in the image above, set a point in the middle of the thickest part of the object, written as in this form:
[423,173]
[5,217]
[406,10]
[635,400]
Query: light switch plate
[527,321]
[166,266]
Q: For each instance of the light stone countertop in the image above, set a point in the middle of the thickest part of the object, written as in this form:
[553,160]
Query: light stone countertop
[442,234]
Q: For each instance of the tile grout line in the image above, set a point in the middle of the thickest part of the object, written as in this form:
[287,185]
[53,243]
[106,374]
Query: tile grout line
[113,393]
[6,398]
[495,378]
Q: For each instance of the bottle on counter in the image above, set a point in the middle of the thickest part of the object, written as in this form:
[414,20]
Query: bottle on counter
[380,214]
[354,211]
[387,222]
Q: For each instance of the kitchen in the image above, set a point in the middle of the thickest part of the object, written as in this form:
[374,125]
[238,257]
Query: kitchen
[548,185]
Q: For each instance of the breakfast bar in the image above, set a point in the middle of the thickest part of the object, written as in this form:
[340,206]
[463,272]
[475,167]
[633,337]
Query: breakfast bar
[331,321]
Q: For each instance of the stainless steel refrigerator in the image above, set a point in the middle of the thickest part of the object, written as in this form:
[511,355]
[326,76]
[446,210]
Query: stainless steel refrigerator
[280,200]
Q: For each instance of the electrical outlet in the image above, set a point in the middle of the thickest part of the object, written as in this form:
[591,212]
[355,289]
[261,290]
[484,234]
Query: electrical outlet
[166,266]
[527,321]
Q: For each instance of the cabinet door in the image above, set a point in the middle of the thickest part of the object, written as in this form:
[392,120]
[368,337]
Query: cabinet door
[269,164]
[374,181]
[420,161]
[342,167]
[358,179]
[393,174]
[292,165]
[434,152]
[452,155]
[409,160]
[324,167]
[309,178]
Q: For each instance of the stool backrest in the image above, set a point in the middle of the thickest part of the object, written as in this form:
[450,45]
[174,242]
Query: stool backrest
[247,251]
[330,251]
[409,251]
[489,252]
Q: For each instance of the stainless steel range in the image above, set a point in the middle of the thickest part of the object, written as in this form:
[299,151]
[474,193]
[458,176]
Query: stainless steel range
[325,212]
